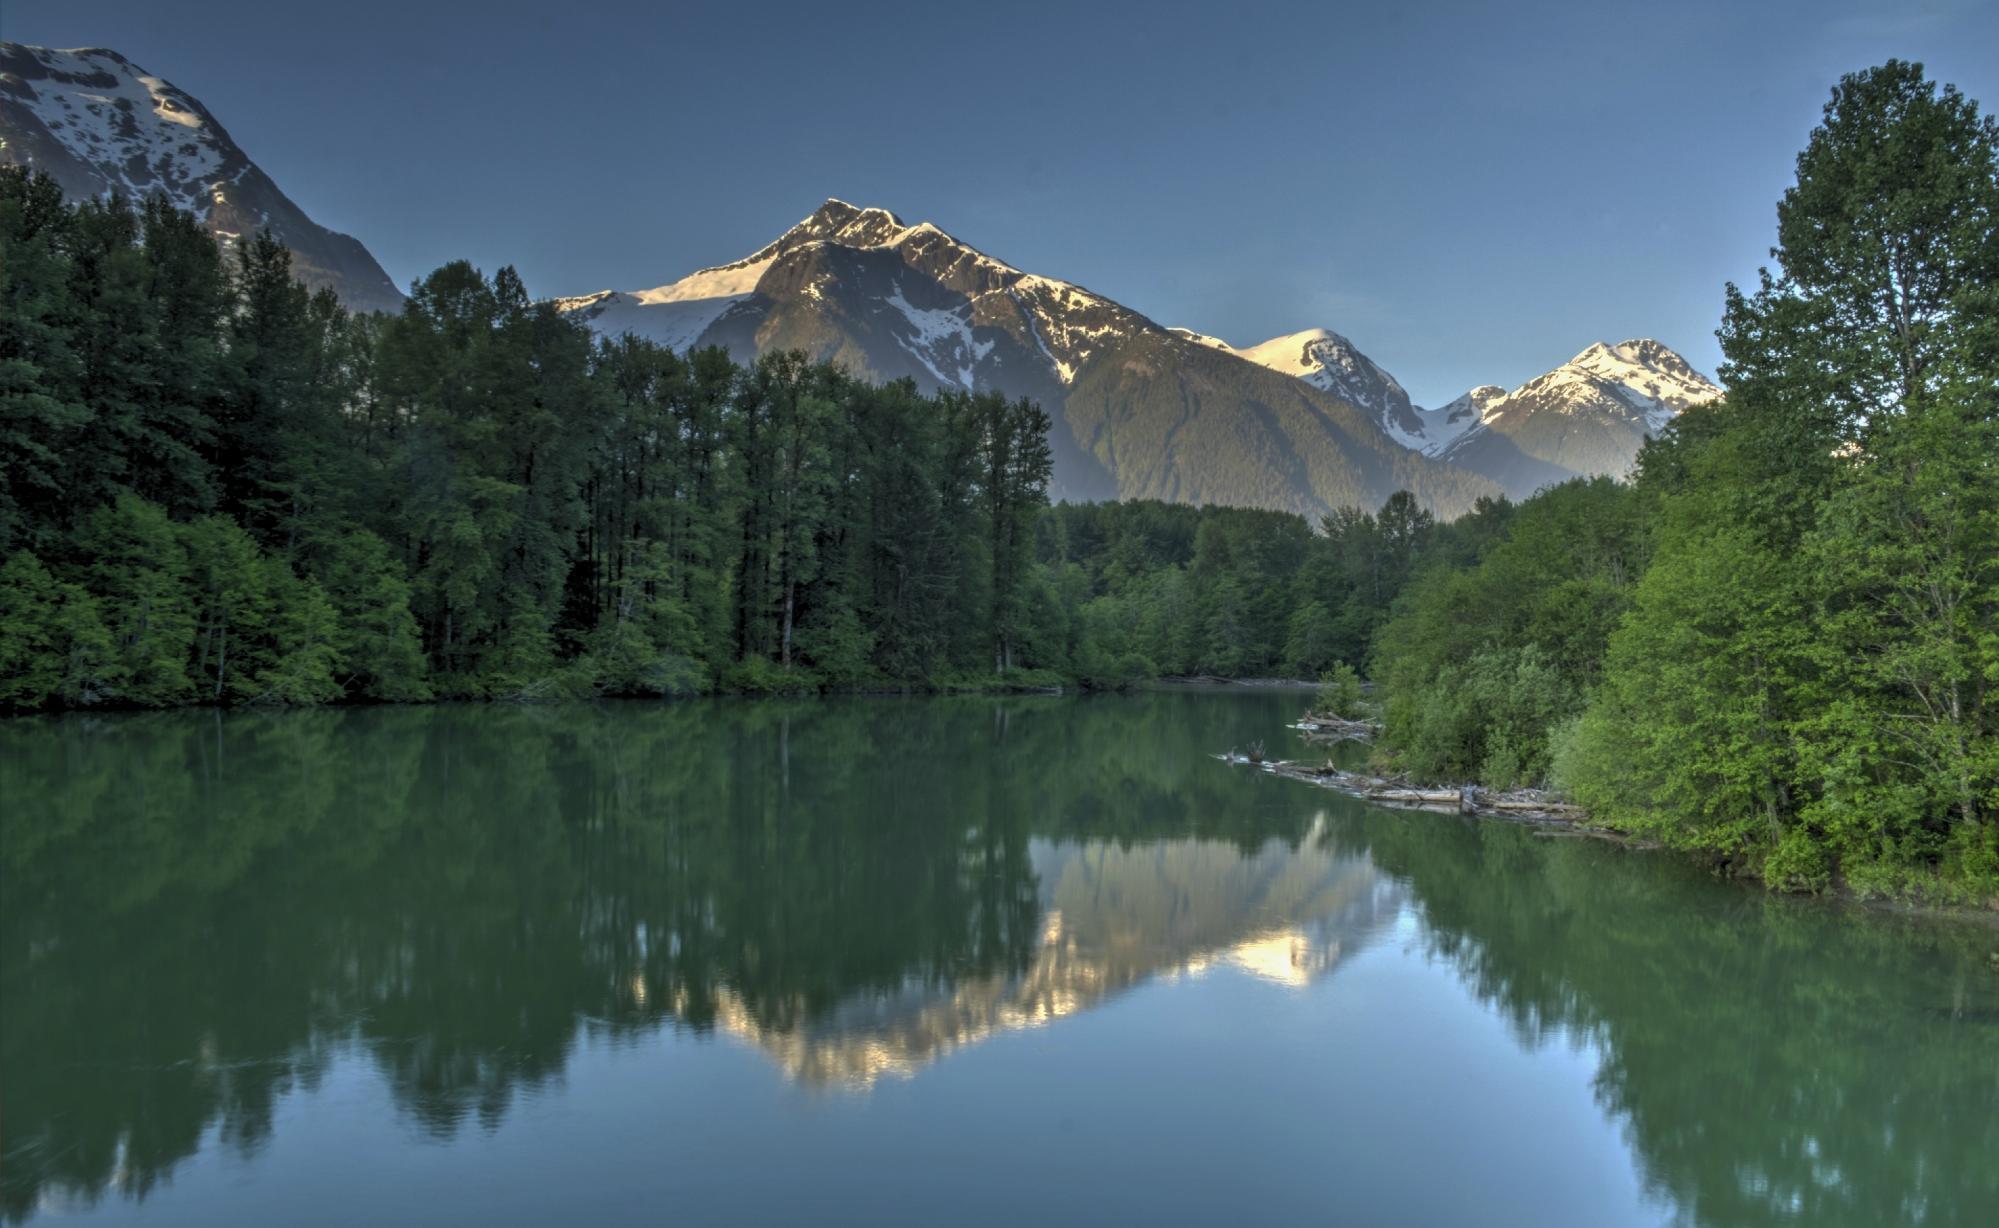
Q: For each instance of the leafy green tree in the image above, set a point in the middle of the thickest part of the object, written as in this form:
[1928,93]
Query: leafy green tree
[1804,681]
[54,649]
[1311,640]
[301,662]
[379,648]
[230,587]
[137,569]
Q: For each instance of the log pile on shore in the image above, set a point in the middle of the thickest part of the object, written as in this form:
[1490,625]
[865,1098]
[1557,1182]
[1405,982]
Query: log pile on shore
[1328,727]
[1519,805]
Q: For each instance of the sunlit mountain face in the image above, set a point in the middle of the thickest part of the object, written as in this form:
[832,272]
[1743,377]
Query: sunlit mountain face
[1139,410]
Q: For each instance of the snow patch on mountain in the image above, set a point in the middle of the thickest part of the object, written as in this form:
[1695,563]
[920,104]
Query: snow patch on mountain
[941,337]
[1213,343]
[1640,380]
[1652,379]
[1331,363]
[142,131]
[729,281]
[139,131]
[1446,424]
[676,324]
[1635,388]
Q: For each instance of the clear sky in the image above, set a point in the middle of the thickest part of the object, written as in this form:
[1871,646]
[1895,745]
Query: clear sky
[1472,192]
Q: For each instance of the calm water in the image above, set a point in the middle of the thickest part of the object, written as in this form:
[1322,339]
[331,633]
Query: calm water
[939,960]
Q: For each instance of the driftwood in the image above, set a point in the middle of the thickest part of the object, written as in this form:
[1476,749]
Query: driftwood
[1444,797]
[1517,805]
[1327,727]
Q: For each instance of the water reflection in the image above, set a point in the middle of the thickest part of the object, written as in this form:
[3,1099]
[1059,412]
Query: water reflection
[1112,918]
[199,914]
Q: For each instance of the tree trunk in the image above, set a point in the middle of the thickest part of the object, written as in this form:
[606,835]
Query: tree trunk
[790,602]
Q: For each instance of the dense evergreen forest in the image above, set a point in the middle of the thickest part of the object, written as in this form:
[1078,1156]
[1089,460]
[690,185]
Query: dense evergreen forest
[222,489]
[1777,645]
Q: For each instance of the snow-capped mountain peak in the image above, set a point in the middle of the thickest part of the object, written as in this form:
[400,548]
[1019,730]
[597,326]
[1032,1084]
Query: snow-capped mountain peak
[1641,379]
[98,123]
[1648,376]
[813,260]
[1587,416]
[1143,411]
[142,134]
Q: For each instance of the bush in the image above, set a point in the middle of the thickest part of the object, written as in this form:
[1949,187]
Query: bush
[1799,862]
[1340,692]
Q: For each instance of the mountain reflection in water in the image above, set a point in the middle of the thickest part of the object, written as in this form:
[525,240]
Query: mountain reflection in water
[1113,918]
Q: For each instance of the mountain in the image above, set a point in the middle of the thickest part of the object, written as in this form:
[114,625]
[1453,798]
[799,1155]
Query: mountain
[98,122]
[1584,418]
[1331,363]
[1140,411]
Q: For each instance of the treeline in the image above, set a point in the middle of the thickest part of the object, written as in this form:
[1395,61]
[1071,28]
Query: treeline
[1779,645]
[1167,589]
[222,489]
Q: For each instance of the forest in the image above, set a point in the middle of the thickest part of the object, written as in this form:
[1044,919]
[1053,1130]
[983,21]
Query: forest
[221,489]
[1776,645]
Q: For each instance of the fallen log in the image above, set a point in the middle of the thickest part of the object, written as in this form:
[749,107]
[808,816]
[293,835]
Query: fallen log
[1325,727]
[1431,796]
[1396,791]
[1533,807]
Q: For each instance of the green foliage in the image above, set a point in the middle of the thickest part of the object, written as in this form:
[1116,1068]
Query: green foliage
[1805,681]
[1779,645]
[1779,648]
[757,675]
[256,497]
[1340,692]
[54,649]
[134,562]
[380,651]
[304,649]
[1489,650]
[1311,639]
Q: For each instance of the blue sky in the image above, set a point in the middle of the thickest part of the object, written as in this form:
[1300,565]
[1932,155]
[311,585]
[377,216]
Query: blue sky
[1472,192]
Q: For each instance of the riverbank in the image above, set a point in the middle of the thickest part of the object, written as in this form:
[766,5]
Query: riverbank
[1535,807]
[1542,810]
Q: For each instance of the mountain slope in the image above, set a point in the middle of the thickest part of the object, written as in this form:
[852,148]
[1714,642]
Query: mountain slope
[97,122]
[1331,363]
[1140,411]
[1584,418]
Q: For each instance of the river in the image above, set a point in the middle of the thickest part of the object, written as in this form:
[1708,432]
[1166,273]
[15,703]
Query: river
[920,960]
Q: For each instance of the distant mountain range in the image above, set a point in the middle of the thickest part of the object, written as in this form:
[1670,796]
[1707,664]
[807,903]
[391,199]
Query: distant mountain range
[1144,411]
[1304,422]
[1140,411]
[98,122]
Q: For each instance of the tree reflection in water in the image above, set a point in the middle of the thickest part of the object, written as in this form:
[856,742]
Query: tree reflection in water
[200,912]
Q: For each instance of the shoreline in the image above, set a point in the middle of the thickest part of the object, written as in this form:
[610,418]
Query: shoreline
[1533,808]
[996,686]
